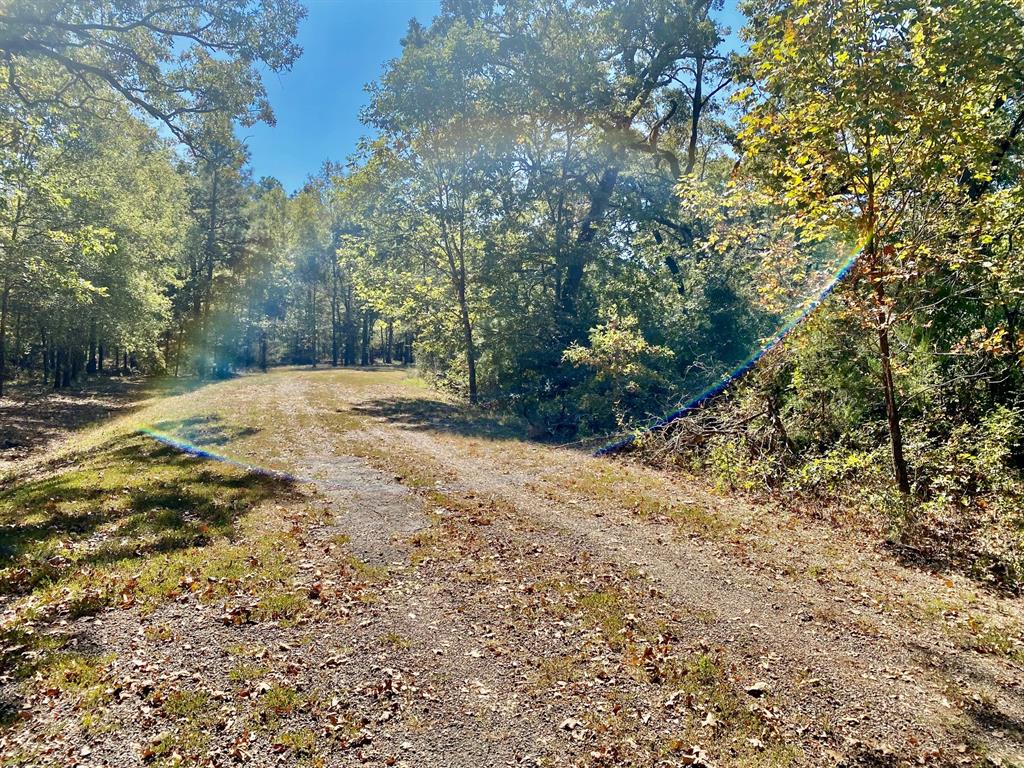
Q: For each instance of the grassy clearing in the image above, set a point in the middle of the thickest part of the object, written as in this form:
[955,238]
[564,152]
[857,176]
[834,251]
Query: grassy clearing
[414,472]
[115,520]
[132,501]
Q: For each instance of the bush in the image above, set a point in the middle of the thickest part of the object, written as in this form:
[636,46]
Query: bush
[628,379]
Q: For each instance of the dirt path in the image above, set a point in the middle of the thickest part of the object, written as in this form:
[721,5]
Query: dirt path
[479,600]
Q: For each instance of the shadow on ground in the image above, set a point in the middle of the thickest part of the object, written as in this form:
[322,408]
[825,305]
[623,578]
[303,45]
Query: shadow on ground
[205,431]
[987,715]
[32,416]
[129,500]
[423,413]
[130,519]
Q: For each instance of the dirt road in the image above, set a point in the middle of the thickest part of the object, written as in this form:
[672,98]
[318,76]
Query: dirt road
[471,598]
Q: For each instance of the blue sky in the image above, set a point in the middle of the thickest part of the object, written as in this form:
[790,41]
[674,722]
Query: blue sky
[345,45]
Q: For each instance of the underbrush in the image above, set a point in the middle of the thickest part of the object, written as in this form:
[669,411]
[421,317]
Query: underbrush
[965,510]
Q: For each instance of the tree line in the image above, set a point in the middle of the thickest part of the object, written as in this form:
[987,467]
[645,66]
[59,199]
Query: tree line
[133,234]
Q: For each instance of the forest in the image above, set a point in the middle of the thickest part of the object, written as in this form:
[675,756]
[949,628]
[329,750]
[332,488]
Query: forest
[582,213]
[645,390]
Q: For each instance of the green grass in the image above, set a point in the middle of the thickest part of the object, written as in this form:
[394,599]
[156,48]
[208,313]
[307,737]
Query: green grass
[300,742]
[186,704]
[605,609]
[564,668]
[187,741]
[276,705]
[280,605]
[741,737]
[131,502]
[641,495]
[988,638]
[244,672]
[78,674]
[397,640]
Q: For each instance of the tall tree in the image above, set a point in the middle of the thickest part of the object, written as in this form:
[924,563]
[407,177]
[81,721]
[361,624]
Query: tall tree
[173,61]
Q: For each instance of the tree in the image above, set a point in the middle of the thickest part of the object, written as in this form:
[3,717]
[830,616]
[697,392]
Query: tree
[864,119]
[92,231]
[217,245]
[542,142]
[173,61]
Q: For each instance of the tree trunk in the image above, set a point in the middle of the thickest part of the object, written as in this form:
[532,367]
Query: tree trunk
[882,318]
[335,311]
[58,355]
[899,463]
[90,367]
[312,310]
[350,328]
[388,341]
[599,200]
[364,358]
[4,304]
[19,352]
[44,357]
[99,358]
[177,348]
[696,107]
[467,334]
[210,254]
[76,365]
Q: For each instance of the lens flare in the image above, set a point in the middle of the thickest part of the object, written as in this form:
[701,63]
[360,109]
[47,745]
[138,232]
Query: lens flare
[826,280]
[796,318]
[193,449]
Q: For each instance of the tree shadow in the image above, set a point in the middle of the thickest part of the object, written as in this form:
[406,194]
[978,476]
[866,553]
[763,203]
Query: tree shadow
[129,500]
[956,554]
[205,431]
[984,714]
[423,413]
[72,542]
[33,416]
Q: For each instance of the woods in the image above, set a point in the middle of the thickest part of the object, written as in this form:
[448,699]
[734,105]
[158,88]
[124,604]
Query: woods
[313,435]
[580,213]
[899,127]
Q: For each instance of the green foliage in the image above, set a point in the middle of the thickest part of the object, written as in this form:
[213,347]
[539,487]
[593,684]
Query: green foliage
[531,153]
[890,125]
[628,373]
[560,214]
[94,216]
[174,62]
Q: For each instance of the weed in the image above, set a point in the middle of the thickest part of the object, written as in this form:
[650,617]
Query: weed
[159,633]
[244,672]
[605,610]
[397,640]
[301,742]
[277,605]
[186,704]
